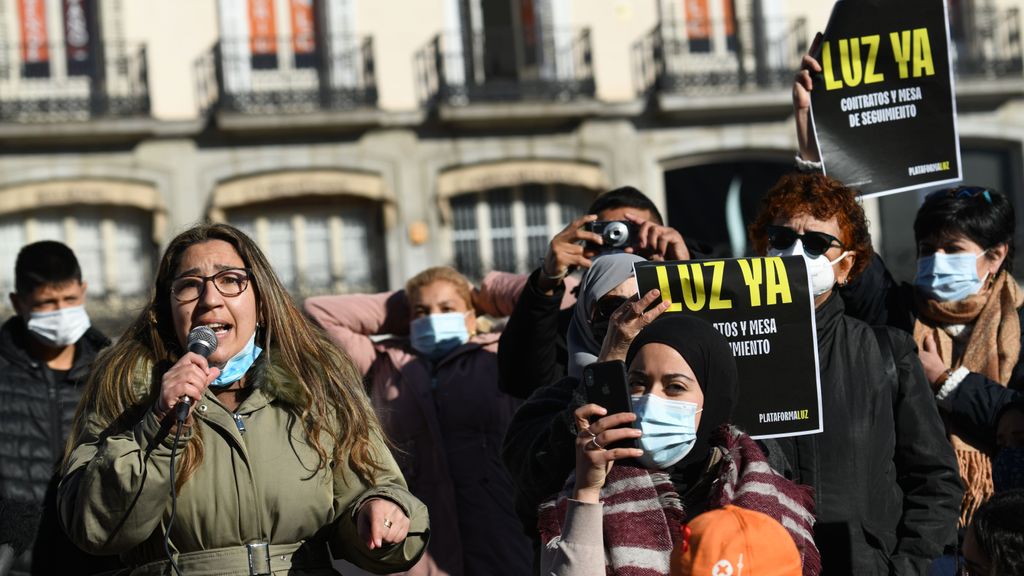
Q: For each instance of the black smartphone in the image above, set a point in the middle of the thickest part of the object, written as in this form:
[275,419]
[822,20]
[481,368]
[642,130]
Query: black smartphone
[606,384]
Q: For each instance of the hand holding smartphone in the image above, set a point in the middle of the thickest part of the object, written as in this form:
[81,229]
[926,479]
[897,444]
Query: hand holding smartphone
[606,384]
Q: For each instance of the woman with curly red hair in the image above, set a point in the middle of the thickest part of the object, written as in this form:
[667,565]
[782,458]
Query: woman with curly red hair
[885,478]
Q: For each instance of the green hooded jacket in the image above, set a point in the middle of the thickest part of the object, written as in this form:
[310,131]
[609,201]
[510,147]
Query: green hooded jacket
[259,480]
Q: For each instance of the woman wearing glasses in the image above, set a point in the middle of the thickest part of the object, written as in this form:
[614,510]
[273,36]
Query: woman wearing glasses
[278,461]
[884,476]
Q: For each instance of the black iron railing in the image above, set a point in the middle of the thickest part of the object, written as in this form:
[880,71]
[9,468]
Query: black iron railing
[719,56]
[502,66]
[284,76]
[47,85]
[991,47]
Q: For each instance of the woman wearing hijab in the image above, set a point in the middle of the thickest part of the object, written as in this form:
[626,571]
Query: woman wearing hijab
[603,289]
[538,444]
[624,508]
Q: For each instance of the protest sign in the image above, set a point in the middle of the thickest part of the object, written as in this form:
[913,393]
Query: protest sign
[764,309]
[884,106]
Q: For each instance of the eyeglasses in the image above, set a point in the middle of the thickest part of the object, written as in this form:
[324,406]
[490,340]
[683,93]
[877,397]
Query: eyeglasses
[962,192]
[229,283]
[815,243]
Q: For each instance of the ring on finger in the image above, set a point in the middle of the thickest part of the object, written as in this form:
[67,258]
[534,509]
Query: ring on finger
[387,523]
[587,430]
[593,442]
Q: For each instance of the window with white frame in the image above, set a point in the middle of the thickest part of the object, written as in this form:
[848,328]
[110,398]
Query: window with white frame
[318,248]
[113,245]
[509,228]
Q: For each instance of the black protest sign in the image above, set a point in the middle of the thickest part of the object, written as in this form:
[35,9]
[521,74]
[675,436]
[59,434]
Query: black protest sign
[763,307]
[884,109]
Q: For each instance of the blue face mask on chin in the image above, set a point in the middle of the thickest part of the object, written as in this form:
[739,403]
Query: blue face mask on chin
[669,429]
[436,335]
[238,365]
[949,277]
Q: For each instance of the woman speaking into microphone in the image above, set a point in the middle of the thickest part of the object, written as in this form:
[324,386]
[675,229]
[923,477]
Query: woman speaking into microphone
[278,463]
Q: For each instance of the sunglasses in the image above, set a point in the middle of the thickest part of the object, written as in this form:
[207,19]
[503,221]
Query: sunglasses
[815,243]
[962,192]
[607,306]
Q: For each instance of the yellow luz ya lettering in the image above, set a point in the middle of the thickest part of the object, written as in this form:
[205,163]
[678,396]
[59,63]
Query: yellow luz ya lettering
[910,48]
[765,278]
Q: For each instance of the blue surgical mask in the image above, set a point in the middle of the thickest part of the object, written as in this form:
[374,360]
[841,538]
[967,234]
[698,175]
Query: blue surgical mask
[669,429]
[1008,469]
[436,335]
[238,365]
[949,277]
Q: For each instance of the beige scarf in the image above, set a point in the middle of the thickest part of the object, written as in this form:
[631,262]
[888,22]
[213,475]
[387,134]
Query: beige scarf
[992,349]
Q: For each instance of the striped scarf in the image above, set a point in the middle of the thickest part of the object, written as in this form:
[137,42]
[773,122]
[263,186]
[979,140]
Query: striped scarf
[643,513]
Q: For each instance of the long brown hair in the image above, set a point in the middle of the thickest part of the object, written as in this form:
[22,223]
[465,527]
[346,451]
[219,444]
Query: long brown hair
[332,402]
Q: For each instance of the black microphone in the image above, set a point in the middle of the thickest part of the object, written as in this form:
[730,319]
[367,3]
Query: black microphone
[203,341]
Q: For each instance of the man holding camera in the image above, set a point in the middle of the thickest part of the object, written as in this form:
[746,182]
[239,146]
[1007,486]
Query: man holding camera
[532,350]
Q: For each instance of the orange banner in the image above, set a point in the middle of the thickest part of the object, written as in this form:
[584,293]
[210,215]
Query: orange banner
[303,27]
[34,37]
[727,13]
[262,27]
[699,22]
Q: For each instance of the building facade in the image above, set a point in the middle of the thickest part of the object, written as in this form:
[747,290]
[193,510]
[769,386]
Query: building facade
[360,142]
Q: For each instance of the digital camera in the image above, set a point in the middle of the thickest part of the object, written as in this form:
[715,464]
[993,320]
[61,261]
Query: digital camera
[617,234]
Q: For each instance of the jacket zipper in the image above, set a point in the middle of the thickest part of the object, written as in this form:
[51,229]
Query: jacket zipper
[239,424]
[55,427]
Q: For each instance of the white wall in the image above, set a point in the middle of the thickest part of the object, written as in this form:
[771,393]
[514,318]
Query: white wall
[176,34]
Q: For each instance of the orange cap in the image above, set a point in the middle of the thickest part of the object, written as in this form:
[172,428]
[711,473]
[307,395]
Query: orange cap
[733,541]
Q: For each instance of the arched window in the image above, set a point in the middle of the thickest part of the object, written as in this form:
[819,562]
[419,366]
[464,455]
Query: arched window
[322,230]
[509,228]
[113,245]
[319,245]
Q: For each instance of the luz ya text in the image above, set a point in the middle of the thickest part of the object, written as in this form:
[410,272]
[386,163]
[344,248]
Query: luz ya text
[765,278]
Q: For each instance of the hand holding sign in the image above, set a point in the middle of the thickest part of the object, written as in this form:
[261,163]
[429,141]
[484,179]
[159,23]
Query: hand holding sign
[626,322]
[764,308]
[802,86]
[883,105]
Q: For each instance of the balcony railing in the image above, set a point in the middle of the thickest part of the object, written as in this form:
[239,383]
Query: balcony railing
[109,83]
[336,75]
[502,66]
[719,57]
[991,48]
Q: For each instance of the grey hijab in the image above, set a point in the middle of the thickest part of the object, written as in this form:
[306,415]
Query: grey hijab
[604,275]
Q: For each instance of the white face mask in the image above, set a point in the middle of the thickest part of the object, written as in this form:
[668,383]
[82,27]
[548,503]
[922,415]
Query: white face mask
[823,277]
[59,328]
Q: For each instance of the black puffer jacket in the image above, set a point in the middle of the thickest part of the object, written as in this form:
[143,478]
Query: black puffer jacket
[35,419]
[885,477]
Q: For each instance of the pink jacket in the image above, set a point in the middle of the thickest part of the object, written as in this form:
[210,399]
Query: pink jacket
[446,422]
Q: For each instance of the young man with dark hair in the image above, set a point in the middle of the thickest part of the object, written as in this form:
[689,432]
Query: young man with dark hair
[532,352]
[45,353]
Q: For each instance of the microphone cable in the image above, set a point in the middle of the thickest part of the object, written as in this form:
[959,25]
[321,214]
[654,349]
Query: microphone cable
[174,500]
